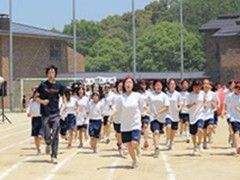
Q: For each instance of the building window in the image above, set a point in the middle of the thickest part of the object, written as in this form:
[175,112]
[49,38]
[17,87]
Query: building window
[55,51]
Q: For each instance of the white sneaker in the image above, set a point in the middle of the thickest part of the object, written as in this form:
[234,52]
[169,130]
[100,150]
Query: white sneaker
[54,160]
[38,152]
[196,151]
[134,164]
[169,147]
[48,149]
[200,147]
[205,146]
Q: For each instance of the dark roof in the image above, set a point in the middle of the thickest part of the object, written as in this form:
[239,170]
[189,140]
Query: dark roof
[223,26]
[139,75]
[26,30]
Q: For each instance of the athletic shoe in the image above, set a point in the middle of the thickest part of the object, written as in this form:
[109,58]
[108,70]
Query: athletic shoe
[156,152]
[38,152]
[80,145]
[54,160]
[125,150]
[200,147]
[210,139]
[108,141]
[196,151]
[48,149]
[205,146]
[169,147]
[95,151]
[134,164]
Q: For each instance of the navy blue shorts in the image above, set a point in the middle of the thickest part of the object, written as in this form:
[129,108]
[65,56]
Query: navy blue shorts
[215,118]
[208,123]
[145,120]
[184,117]
[174,125]
[37,129]
[194,127]
[157,126]
[94,128]
[235,127]
[105,120]
[70,121]
[130,136]
[117,127]
[80,127]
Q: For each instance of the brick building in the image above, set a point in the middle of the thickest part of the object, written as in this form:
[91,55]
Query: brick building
[222,46]
[33,50]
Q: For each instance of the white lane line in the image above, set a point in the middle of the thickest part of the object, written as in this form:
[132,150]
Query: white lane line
[12,168]
[13,127]
[171,175]
[13,145]
[60,165]
[112,170]
[4,137]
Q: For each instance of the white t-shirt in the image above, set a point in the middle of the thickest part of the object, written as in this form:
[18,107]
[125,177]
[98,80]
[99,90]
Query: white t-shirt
[130,109]
[34,109]
[95,110]
[156,102]
[184,95]
[234,101]
[227,103]
[208,113]
[107,103]
[71,106]
[195,112]
[175,100]
[116,117]
[82,114]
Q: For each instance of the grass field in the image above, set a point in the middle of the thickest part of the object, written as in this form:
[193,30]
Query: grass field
[18,159]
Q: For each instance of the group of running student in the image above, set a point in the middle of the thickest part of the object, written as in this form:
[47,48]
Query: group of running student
[133,108]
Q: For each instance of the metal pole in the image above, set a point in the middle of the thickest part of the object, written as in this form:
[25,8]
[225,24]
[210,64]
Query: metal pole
[74,41]
[134,39]
[11,56]
[182,37]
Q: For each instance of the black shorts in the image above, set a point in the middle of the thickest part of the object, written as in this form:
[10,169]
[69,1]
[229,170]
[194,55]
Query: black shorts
[84,126]
[117,127]
[184,117]
[105,120]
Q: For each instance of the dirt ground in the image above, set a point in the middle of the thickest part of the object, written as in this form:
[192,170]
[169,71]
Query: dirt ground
[18,158]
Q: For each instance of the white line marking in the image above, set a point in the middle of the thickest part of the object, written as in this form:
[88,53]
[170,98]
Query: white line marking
[112,170]
[4,137]
[171,175]
[15,126]
[13,145]
[11,169]
[60,165]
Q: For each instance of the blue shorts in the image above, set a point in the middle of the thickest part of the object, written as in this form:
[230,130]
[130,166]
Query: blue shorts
[94,128]
[215,118]
[174,125]
[37,129]
[208,123]
[235,126]
[194,127]
[130,136]
[117,127]
[80,127]
[157,126]
[145,120]
[184,117]
[70,121]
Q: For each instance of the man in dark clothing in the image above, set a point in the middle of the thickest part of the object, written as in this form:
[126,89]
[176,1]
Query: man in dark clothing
[48,94]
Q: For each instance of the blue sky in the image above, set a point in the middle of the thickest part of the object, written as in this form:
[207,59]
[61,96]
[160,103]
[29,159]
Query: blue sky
[57,13]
